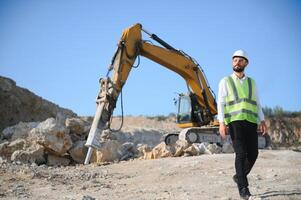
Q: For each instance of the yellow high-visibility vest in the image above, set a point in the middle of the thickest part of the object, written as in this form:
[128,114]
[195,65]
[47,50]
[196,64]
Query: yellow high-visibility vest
[240,103]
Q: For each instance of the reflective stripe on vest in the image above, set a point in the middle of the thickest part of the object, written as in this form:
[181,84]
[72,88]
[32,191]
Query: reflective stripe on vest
[241,102]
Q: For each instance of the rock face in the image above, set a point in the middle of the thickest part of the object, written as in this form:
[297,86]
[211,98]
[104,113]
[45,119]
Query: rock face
[285,131]
[19,104]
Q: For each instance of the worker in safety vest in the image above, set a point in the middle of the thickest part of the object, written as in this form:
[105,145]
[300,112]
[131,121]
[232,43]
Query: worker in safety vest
[240,113]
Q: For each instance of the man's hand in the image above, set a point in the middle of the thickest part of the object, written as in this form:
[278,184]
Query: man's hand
[223,130]
[263,127]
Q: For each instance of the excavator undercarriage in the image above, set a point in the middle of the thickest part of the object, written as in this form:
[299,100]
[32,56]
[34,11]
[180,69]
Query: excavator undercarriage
[208,135]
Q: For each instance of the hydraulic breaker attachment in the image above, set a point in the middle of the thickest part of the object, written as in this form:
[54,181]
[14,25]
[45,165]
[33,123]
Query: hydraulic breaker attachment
[105,102]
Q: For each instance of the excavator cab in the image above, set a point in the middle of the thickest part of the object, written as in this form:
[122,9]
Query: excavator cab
[184,109]
[190,113]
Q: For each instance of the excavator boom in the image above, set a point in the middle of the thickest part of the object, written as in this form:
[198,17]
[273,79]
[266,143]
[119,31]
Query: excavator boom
[131,45]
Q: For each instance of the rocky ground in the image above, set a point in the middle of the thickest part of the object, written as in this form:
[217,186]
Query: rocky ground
[276,176]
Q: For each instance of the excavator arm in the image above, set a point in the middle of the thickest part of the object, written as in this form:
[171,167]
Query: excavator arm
[129,48]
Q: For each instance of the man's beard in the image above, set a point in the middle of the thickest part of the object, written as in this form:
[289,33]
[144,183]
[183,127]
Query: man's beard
[238,69]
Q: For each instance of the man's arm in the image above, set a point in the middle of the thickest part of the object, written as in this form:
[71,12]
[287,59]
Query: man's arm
[262,125]
[222,93]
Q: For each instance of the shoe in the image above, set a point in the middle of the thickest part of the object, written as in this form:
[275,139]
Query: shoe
[244,193]
[235,179]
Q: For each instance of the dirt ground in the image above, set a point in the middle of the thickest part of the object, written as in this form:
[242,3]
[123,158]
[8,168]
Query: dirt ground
[276,176]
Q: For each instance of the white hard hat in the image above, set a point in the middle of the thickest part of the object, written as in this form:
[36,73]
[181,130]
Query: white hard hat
[241,53]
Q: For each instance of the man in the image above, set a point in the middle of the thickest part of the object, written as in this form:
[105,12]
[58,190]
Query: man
[239,112]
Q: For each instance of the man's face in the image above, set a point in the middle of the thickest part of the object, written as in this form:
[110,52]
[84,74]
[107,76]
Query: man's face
[239,64]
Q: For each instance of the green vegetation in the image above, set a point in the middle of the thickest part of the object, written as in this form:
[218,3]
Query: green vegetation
[279,112]
[276,112]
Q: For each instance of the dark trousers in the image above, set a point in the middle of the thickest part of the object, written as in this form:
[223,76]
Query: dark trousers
[245,144]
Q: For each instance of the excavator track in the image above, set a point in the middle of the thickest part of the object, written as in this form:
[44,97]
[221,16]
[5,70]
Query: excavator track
[171,139]
[209,135]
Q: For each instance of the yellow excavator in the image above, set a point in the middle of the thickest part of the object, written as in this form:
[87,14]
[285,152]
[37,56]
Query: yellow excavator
[196,108]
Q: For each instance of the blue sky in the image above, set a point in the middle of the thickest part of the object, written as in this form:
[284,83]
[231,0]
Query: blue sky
[60,49]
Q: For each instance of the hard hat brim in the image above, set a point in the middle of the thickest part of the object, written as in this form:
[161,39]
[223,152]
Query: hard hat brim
[241,57]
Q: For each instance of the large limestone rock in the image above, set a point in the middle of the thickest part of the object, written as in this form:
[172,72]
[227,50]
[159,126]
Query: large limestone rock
[127,150]
[192,150]
[19,104]
[143,151]
[78,151]
[8,148]
[109,152]
[33,154]
[3,149]
[53,135]
[227,148]
[78,126]
[214,148]
[159,151]
[19,130]
[206,148]
[180,146]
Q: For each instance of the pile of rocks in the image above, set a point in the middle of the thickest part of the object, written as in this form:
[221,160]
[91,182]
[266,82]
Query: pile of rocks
[55,141]
[61,141]
[183,148]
